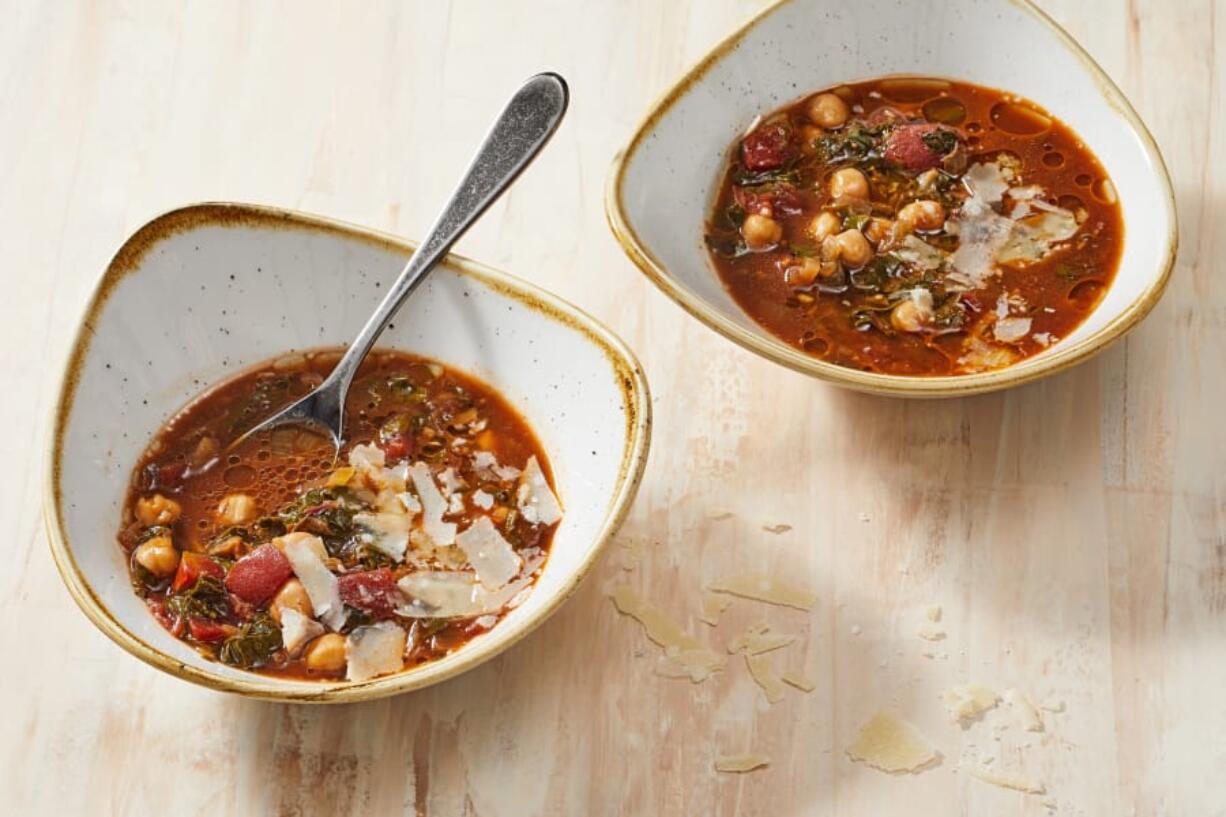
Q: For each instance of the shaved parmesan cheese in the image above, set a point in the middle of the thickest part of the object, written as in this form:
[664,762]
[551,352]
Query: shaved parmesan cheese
[695,664]
[484,461]
[394,478]
[920,254]
[409,502]
[764,675]
[455,505]
[780,528]
[297,630]
[1033,236]
[684,655]
[968,702]
[1024,712]
[385,532]
[892,745]
[449,481]
[799,681]
[980,355]
[758,639]
[981,234]
[374,650]
[433,505]
[1025,193]
[490,555]
[933,613]
[760,587]
[482,500]
[310,540]
[1011,329]
[713,606]
[1005,780]
[537,503]
[987,181]
[319,582]
[446,594]
[929,631]
[366,458]
[740,764]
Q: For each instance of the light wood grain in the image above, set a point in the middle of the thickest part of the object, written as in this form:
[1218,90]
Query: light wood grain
[1074,531]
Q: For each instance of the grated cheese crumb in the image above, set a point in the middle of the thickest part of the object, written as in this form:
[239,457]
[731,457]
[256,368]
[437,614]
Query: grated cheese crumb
[740,763]
[780,528]
[929,631]
[1024,712]
[758,639]
[760,587]
[967,702]
[680,647]
[933,613]
[892,745]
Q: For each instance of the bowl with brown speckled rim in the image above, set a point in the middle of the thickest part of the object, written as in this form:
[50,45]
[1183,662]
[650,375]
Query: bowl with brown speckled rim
[660,186]
[205,291]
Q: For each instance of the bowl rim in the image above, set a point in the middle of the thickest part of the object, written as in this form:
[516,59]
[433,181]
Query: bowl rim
[769,347]
[629,373]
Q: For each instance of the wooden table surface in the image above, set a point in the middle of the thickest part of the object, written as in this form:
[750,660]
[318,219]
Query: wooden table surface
[1073,531]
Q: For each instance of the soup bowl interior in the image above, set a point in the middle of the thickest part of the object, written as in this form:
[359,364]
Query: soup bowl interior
[204,292]
[662,185]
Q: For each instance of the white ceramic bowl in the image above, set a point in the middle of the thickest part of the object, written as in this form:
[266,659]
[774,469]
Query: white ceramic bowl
[202,292]
[661,186]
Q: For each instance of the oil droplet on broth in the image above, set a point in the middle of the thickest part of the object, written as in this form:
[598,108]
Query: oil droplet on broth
[239,476]
[944,109]
[1018,119]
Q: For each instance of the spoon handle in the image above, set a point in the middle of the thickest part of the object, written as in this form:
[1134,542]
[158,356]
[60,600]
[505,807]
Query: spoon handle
[521,130]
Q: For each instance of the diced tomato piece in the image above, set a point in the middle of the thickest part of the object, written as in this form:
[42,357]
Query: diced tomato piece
[202,629]
[768,148]
[905,146]
[398,447]
[158,608]
[258,575]
[372,591]
[191,567]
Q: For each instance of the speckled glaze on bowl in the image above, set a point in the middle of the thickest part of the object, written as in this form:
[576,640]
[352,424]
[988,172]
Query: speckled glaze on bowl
[203,292]
[660,187]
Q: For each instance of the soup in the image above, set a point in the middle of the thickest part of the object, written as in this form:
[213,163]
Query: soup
[915,226]
[433,523]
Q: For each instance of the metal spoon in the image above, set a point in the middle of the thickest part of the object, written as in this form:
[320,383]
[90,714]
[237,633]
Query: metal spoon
[518,135]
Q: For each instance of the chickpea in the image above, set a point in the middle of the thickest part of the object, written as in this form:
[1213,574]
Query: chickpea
[853,248]
[326,653]
[878,229]
[827,110]
[924,214]
[232,547]
[236,509]
[157,510]
[311,540]
[848,183]
[760,232]
[291,596]
[909,316]
[823,224]
[158,556]
[808,139]
[803,273]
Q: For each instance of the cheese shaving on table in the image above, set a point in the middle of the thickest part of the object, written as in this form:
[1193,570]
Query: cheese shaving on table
[297,630]
[930,631]
[490,555]
[892,745]
[967,702]
[799,681]
[385,532]
[933,613]
[536,500]
[764,675]
[374,650]
[686,656]
[713,606]
[1005,780]
[739,764]
[1024,712]
[320,583]
[434,505]
[761,587]
[758,639]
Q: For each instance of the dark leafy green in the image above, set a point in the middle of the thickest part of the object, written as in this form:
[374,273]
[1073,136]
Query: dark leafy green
[255,643]
[207,598]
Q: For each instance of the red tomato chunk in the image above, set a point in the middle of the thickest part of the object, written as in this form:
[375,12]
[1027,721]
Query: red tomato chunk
[202,629]
[768,148]
[191,567]
[260,574]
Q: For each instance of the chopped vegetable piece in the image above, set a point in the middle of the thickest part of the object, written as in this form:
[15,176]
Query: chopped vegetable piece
[256,577]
